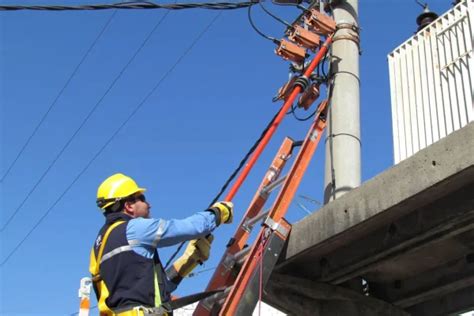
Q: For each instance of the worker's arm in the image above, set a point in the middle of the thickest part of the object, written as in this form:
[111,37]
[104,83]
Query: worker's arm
[156,233]
[162,233]
[147,234]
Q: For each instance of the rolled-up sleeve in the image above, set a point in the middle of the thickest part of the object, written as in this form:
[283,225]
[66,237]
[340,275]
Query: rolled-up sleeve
[157,233]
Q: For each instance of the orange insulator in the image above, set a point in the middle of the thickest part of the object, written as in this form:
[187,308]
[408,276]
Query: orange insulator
[304,37]
[285,91]
[310,95]
[291,51]
[320,22]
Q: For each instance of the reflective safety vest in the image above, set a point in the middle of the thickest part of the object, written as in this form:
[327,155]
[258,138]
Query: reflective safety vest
[121,277]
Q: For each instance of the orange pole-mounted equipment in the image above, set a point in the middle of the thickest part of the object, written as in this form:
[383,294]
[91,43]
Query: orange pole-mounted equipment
[286,106]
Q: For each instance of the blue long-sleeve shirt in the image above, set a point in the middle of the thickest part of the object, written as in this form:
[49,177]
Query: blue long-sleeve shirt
[147,234]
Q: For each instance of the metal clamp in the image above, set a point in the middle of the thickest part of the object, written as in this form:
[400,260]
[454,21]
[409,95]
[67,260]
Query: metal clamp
[276,226]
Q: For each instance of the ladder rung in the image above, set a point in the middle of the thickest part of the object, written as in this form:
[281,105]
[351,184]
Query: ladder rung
[241,254]
[272,186]
[216,298]
[249,223]
[231,260]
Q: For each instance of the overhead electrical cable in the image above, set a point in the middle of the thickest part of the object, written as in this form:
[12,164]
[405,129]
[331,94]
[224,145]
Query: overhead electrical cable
[68,81]
[133,5]
[93,109]
[274,16]
[135,110]
[249,15]
[229,180]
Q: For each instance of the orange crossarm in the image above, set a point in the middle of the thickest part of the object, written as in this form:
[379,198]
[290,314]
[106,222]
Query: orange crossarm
[286,106]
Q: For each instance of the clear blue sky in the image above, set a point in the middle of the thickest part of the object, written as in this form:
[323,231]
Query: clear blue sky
[183,142]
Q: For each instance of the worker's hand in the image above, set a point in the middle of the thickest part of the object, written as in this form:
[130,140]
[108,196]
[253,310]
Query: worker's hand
[224,212]
[196,252]
[200,249]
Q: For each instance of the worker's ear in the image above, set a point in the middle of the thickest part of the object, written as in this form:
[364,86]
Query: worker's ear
[128,209]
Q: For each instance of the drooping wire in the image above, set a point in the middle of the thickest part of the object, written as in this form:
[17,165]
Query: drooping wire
[274,16]
[249,14]
[84,121]
[287,3]
[193,274]
[302,119]
[330,136]
[135,110]
[52,105]
[424,6]
[229,180]
[132,5]
[246,157]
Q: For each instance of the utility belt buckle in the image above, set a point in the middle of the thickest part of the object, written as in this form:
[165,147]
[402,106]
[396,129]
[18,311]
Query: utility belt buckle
[152,311]
[138,309]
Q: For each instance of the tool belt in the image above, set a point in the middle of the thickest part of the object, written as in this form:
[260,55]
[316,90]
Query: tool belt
[142,311]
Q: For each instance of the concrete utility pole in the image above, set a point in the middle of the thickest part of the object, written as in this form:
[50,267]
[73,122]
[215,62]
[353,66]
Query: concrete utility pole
[342,172]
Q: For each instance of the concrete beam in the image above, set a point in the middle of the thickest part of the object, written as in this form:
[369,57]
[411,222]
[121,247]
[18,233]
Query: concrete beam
[435,171]
[432,284]
[453,303]
[298,296]
[425,230]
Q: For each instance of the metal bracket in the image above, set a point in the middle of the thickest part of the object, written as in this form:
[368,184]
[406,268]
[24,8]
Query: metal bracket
[270,223]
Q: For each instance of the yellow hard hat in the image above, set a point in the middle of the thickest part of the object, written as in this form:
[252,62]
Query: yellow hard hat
[115,188]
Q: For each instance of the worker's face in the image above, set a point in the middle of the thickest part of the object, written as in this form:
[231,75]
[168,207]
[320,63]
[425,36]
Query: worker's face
[139,207]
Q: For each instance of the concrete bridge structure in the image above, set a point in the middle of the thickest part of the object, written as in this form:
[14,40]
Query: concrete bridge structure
[400,244]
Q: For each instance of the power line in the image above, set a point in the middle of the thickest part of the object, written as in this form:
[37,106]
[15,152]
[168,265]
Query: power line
[94,108]
[185,53]
[68,81]
[133,5]
[249,16]
[229,180]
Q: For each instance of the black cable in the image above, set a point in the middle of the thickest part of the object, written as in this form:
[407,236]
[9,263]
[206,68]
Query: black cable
[274,16]
[68,81]
[193,274]
[246,157]
[94,108]
[331,144]
[424,6]
[229,180]
[323,71]
[249,14]
[133,5]
[135,110]
[293,3]
[293,107]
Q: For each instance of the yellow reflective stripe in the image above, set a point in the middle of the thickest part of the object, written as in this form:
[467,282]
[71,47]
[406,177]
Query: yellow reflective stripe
[157,286]
[93,263]
[94,268]
[104,241]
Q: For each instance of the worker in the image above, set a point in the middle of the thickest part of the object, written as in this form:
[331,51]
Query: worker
[127,274]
